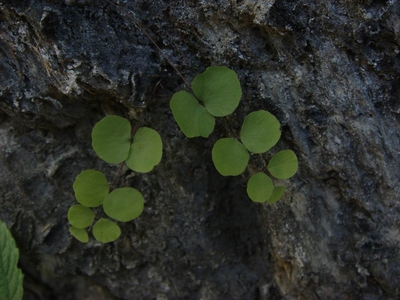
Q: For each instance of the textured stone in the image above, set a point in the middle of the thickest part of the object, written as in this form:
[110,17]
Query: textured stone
[328,70]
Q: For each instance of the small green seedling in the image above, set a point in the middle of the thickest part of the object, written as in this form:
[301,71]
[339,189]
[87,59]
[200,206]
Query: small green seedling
[11,278]
[113,142]
[219,89]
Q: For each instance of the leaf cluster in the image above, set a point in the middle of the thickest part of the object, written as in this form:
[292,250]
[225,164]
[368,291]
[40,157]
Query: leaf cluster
[113,142]
[218,88]
[216,83]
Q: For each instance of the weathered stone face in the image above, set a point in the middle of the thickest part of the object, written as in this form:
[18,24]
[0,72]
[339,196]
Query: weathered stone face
[328,71]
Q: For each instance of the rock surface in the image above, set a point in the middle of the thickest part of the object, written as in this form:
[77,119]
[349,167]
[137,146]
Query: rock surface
[328,70]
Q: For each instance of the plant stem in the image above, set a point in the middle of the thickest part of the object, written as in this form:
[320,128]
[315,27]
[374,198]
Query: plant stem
[116,176]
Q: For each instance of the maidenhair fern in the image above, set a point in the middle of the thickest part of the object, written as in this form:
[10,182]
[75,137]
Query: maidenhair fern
[216,93]
[106,231]
[218,88]
[277,193]
[146,150]
[80,216]
[230,157]
[113,142]
[79,233]
[260,131]
[91,187]
[283,164]
[193,118]
[111,139]
[124,204]
[260,187]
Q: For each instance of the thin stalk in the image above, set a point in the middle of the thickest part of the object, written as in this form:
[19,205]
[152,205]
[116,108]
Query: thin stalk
[116,176]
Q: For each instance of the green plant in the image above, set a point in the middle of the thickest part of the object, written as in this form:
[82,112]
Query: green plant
[219,89]
[114,142]
[11,278]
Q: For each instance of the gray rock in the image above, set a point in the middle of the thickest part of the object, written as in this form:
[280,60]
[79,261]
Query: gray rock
[328,70]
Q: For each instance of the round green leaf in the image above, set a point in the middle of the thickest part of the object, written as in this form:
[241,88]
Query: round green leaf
[219,88]
[283,165]
[111,139]
[91,187]
[106,231]
[193,119]
[80,216]
[146,150]
[124,204]
[80,234]
[230,157]
[259,187]
[260,131]
[277,193]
